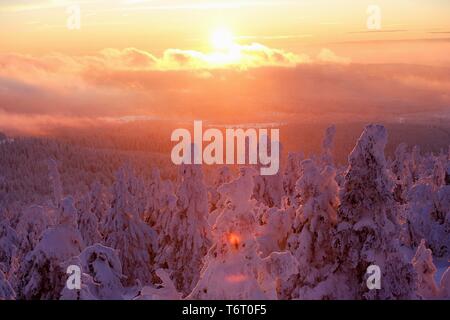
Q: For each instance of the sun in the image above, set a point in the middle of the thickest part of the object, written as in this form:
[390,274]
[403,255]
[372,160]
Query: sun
[222,39]
[225,50]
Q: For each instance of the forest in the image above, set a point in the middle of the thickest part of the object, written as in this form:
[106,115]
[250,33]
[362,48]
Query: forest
[141,228]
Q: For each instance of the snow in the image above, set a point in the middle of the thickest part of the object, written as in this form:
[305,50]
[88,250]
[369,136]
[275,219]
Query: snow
[135,241]
[441,266]
[185,236]
[6,291]
[165,291]
[309,232]
[423,264]
[233,269]
[102,275]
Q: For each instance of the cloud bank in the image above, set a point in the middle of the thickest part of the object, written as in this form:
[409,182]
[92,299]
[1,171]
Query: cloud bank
[253,84]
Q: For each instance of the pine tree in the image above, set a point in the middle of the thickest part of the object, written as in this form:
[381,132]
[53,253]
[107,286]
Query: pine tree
[314,229]
[328,146]
[426,270]
[223,176]
[274,227]
[33,222]
[99,202]
[55,181]
[102,275]
[6,291]
[185,234]
[9,243]
[87,221]
[124,231]
[447,171]
[269,189]
[369,231]
[151,214]
[428,217]
[291,175]
[41,275]
[403,177]
[233,268]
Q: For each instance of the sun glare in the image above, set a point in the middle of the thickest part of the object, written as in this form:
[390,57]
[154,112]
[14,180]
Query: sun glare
[225,50]
[222,39]
[234,240]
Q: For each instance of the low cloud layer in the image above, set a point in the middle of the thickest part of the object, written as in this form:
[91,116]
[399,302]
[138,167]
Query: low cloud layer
[263,84]
[238,56]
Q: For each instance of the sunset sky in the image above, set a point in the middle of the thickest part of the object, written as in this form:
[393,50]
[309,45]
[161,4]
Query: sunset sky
[155,25]
[145,57]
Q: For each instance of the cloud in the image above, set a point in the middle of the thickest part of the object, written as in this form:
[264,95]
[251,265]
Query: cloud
[257,54]
[238,56]
[42,124]
[328,56]
[266,85]
[173,59]
[129,58]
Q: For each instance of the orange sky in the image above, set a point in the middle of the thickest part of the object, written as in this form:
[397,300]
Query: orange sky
[39,26]
[252,60]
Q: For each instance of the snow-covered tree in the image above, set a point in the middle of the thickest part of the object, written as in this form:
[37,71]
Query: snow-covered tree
[416,166]
[313,232]
[216,202]
[223,176]
[368,232]
[428,217]
[55,181]
[167,204]
[41,275]
[98,200]
[444,288]
[227,239]
[426,270]
[438,173]
[139,194]
[86,282]
[162,202]
[328,146]
[124,231]
[269,189]
[185,234]
[33,222]
[9,243]
[166,290]
[102,275]
[447,171]
[88,221]
[233,269]
[274,227]
[292,174]
[6,291]
[401,170]
[151,213]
